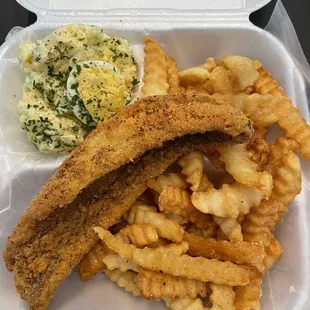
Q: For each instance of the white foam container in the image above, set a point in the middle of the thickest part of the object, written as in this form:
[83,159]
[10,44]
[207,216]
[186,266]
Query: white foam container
[190,32]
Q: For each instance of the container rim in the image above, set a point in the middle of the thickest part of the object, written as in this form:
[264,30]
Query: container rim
[69,8]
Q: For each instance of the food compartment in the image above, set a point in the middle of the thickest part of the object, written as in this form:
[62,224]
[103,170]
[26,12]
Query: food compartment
[284,287]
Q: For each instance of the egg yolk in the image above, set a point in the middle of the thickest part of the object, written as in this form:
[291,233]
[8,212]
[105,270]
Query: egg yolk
[102,91]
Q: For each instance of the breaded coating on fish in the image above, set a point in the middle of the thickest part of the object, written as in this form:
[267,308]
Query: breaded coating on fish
[103,177]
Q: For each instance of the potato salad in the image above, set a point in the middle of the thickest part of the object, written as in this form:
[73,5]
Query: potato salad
[76,77]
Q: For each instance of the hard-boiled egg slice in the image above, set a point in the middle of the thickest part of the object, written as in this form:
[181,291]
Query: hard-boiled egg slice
[95,90]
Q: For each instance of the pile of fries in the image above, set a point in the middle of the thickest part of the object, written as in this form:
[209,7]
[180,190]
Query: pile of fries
[199,242]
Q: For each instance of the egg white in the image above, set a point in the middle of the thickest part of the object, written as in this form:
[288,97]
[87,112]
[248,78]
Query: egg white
[79,109]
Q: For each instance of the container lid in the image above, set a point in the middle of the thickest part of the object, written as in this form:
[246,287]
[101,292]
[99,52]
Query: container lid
[50,7]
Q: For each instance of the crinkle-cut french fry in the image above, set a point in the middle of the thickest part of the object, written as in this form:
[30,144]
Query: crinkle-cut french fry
[126,280]
[260,222]
[136,211]
[193,76]
[174,248]
[260,153]
[230,201]
[261,109]
[185,303]
[157,285]
[209,64]
[165,228]
[173,76]
[192,167]
[279,149]
[219,81]
[199,88]
[238,163]
[293,124]
[159,243]
[259,133]
[141,206]
[114,261]
[222,297]
[117,227]
[238,252]
[171,179]
[139,234]
[193,268]
[273,253]
[248,296]
[209,232]
[195,80]
[197,268]
[266,83]
[180,220]
[155,80]
[230,227]
[242,71]
[91,262]
[174,199]
[287,182]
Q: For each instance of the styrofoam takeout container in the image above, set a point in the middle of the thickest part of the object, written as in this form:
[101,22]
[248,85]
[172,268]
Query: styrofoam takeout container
[190,31]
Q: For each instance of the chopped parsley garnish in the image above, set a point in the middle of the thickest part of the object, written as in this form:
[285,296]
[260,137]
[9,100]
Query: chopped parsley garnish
[75,129]
[135,82]
[75,86]
[44,120]
[78,69]
[50,95]
[62,77]
[62,54]
[38,86]
[74,100]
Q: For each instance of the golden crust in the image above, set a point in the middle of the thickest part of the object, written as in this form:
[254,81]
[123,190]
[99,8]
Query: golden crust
[238,252]
[247,297]
[266,84]
[197,268]
[173,76]
[157,285]
[155,80]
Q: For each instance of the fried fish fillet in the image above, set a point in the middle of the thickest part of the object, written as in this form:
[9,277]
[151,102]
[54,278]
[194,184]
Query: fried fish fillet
[103,177]
[143,126]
